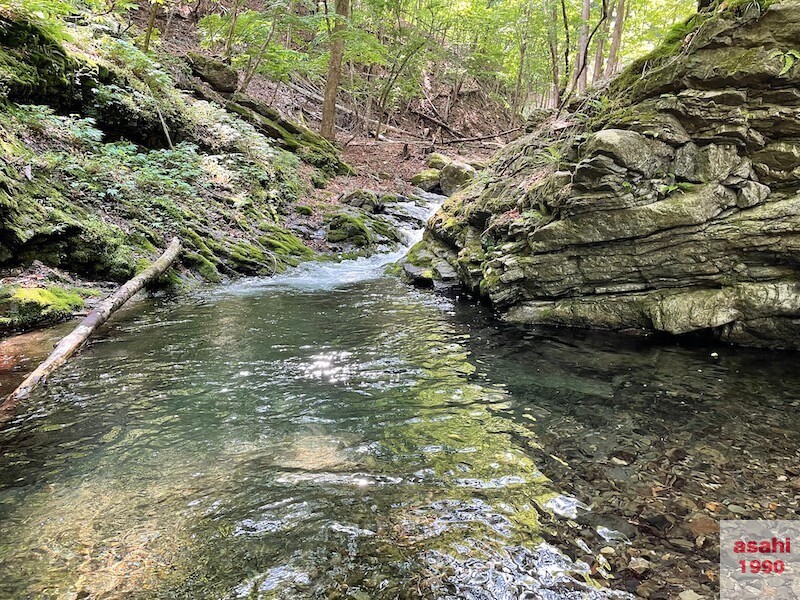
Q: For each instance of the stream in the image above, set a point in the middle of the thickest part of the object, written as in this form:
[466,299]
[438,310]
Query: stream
[332,432]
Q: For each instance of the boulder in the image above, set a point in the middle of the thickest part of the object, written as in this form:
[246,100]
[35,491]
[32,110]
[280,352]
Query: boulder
[456,176]
[366,200]
[437,161]
[221,77]
[427,180]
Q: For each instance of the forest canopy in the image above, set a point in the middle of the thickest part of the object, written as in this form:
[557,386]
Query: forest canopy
[523,54]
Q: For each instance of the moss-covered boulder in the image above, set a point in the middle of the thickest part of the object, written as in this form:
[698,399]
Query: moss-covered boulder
[427,180]
[366,200]
[350,228]
[455,176]
[436,161]
[221,77]
[26,307]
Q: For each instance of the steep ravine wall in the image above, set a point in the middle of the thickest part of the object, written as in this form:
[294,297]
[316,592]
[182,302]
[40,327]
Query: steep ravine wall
[670,203]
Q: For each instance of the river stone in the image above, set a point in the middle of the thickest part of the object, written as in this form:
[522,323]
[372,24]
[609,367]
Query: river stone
[456,176]
[427,180]
[215,73]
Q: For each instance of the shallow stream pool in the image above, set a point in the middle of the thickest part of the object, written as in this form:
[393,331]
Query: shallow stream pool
[335,433]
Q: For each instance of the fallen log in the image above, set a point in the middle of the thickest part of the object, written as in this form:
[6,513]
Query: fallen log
[347,111]
[99,315]
[435,121]
[482,137]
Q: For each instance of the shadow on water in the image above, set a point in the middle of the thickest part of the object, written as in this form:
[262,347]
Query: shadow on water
[300,438]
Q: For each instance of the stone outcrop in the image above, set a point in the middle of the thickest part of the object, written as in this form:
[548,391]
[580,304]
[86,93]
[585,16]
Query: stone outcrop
[674,209]
[221,77]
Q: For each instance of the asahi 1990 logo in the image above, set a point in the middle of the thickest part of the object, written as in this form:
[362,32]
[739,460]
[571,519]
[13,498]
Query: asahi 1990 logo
[757,560]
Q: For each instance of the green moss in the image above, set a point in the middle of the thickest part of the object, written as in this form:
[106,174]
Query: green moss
[287,247]
[425,177]
[419,255]
[204,267]
[304,210]
[26,307]
[318,179]
[394,270]
[33,65]
[350,228]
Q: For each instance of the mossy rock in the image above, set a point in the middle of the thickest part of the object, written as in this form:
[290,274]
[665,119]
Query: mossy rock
[287,248]
[26,307]
[217,74]
[437,161]
[366,200]
[455,176]
[33,66]
[344,227]
[427,180]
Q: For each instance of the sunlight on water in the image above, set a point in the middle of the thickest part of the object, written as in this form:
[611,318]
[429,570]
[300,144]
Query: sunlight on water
[362,440]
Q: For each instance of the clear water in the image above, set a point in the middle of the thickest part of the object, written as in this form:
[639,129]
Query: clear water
[334,433]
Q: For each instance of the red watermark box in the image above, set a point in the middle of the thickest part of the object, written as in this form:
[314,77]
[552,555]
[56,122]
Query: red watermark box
[759,559]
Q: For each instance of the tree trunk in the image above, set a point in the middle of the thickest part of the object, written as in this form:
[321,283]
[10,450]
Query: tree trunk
[151,23]
[565,20]
[327,128]
[232,31]
[551,18]
[523,48]
[583,46]
[599,57]
[99,315]
[616,39]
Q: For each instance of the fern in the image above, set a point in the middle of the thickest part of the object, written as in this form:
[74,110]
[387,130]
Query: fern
[789,57]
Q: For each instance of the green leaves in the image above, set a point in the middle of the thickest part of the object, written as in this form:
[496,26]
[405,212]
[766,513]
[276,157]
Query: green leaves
[790,58]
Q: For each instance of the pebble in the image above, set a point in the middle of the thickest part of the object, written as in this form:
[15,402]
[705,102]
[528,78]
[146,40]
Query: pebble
[689,595]
[607,550]
[736,509]
[639,565]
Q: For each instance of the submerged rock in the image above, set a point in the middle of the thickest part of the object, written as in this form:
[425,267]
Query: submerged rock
[678,210]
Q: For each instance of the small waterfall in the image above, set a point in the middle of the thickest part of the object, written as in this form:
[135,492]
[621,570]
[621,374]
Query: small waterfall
[409,217]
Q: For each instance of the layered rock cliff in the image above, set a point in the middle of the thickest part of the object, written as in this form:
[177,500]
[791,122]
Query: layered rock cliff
[670,202]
